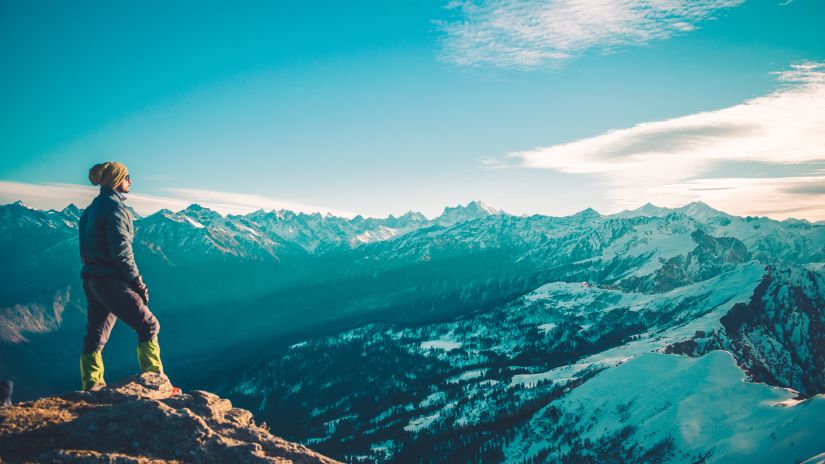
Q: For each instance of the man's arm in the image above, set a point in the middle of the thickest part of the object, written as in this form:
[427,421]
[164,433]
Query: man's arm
[119,239]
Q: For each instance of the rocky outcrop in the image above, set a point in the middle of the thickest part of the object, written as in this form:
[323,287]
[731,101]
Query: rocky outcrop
[711,257]
[779,336]
[137,421]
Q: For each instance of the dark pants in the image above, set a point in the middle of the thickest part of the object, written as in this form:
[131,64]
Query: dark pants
[111,299]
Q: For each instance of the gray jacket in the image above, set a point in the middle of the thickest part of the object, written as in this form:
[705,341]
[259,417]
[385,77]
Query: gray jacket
[106,234]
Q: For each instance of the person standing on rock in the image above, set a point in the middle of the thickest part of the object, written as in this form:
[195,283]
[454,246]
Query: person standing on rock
[111,280]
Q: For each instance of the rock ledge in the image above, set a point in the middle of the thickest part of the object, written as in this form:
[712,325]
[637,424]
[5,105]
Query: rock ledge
[136,421]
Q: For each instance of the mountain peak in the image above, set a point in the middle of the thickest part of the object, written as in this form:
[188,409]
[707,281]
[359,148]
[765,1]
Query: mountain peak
[122,426]
[18,207]
[698,204]
[197,209]
[457,214]
[413,215]
[696,209]
[161,213]
[588,213]
[271,215]
[476,205]
[648,209]
[699,209]
[71,211]
[201,215]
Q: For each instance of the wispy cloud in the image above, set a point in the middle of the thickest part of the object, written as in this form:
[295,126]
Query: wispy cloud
[689,158]
[775,197]
[58,196]
[538,33]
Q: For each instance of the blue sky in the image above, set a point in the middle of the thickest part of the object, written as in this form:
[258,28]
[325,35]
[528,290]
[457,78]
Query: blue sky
[384,107]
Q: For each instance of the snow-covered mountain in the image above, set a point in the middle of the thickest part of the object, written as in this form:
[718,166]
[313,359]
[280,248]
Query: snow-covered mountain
[623,288]
[38,252]
[474,336]
[267,234]
[661,408]
[459,214]
[697,210]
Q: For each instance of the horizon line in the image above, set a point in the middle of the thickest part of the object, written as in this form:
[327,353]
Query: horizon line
[497,212]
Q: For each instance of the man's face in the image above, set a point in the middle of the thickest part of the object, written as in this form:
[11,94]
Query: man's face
[125,185]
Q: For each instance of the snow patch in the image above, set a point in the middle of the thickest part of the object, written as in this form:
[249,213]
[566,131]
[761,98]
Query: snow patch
[193,222]
[446,345]
[549,327]
[420,423]
[432,399]
[532,380]
[467,375]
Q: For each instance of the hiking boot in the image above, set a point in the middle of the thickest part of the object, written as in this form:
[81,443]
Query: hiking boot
[96,387]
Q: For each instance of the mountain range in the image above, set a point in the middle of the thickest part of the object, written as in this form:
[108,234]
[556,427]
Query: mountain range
[650,335]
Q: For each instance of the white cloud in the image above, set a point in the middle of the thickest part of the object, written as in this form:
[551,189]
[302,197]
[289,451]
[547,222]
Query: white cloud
[58,196]
[536,33]
[675,161]
[775,197]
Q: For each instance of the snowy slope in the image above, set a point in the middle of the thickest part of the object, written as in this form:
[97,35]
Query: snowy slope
[681,408]
[467,373]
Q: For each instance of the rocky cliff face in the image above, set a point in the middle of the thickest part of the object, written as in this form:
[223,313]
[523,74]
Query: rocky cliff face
[778,335]
[137,422]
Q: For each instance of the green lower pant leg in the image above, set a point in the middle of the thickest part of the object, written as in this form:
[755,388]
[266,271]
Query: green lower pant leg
[91,370]
[148,354]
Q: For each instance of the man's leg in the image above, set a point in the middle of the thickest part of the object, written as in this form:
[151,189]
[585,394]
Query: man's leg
[148,354]
[99,324]
[127,305]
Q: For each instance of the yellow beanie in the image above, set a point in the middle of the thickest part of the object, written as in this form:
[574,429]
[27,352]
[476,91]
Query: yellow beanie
[109,174]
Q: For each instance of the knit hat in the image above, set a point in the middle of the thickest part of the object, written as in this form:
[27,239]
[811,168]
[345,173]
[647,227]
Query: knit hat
[109,174]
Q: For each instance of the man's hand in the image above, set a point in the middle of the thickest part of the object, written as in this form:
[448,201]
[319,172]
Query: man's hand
[141,289]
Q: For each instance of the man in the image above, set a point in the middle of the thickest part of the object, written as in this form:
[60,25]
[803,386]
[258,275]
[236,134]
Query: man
[111,280]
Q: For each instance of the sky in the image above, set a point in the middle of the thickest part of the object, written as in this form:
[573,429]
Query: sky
[377,108]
